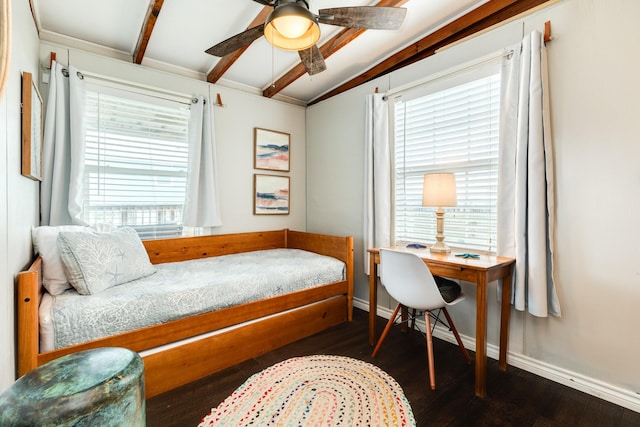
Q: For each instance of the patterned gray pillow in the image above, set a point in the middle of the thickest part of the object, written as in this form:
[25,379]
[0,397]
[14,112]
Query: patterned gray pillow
[95,261]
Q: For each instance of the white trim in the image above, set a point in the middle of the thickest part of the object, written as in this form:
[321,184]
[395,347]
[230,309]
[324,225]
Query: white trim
[609,392]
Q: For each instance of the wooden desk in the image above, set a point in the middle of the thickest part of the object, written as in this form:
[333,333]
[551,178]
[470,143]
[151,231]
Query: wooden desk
[480,271]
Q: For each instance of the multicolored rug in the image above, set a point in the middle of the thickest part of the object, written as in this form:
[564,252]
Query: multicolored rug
[316,391]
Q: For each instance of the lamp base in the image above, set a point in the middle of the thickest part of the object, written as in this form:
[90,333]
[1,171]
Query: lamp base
[440,247]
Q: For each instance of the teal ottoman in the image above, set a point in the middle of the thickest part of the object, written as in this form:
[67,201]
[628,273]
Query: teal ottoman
[101,387]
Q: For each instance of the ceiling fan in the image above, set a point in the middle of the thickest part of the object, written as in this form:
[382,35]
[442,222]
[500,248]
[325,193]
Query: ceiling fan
[292,26]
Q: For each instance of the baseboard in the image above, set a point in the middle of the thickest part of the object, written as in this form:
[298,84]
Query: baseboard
[592,386]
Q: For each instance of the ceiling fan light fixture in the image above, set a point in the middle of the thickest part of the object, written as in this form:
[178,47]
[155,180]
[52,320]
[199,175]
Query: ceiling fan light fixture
[292,27]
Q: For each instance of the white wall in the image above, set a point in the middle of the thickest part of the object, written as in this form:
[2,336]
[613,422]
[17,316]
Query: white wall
[18,195]
[595,89]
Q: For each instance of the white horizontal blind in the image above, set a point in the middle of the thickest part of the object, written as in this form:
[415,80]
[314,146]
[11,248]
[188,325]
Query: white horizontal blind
[451,130]
[135,161]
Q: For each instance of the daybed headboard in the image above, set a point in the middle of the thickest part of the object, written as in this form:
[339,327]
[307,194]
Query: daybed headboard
[185,248]
[29,291]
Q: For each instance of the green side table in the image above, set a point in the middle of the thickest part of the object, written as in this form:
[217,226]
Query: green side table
[101,387]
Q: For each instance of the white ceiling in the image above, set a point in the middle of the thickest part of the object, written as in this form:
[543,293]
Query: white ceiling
[186,28]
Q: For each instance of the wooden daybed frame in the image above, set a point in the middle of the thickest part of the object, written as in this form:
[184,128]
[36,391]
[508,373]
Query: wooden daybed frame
[242,332]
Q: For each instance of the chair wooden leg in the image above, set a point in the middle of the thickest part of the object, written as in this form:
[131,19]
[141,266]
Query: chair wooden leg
[455,333]
[432,371]
[390,323]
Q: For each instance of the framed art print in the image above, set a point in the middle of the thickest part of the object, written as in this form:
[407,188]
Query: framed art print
[271,150]
[31,129]
[271,195]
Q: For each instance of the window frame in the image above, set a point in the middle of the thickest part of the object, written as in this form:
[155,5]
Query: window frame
[455,217]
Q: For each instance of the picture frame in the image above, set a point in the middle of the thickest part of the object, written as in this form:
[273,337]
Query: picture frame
[271,150]
[271,194]
[31,128]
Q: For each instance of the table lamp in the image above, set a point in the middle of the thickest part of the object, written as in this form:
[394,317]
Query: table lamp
[439,189]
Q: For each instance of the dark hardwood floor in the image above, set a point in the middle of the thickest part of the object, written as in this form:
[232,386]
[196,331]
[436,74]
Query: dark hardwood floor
[515,397]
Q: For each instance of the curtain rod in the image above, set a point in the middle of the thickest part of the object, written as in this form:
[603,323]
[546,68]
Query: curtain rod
[177,96]
[150,90]
[155,91]
[182,98]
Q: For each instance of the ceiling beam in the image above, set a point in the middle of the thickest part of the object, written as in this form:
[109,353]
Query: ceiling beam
[479,19]
[333,45]
[227,61]
[147,29]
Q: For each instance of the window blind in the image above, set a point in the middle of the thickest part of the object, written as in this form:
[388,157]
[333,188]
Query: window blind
[454,129]
[135,161]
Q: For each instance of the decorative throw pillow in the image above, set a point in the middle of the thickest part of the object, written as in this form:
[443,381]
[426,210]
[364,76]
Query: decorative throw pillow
[449,289]
[44,240]
[97,261]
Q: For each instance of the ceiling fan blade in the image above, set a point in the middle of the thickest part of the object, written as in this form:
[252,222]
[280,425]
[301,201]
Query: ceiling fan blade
[236,42]
[265,2]
[312,60]
[369,17]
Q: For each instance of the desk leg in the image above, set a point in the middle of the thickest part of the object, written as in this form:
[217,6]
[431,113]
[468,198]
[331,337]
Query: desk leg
[481,336]
[505,316]
[373,298]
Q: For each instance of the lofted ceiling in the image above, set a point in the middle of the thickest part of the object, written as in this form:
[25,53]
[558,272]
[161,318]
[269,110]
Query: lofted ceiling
[174,34]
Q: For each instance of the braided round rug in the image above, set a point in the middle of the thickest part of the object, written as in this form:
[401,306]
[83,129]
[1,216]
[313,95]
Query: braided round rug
[316,390]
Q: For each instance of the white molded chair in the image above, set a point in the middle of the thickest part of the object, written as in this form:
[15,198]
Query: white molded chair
[409,281]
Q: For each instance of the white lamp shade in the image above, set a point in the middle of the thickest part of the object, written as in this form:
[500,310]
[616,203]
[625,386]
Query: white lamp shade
[439,189]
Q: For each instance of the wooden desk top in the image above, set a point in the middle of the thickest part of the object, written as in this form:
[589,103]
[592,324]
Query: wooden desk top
[485,262]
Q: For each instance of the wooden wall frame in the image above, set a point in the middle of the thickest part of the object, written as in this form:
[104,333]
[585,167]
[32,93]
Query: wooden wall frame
[31,128]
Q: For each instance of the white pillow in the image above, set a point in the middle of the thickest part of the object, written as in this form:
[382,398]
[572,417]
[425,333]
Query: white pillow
[45,243]
[96,261]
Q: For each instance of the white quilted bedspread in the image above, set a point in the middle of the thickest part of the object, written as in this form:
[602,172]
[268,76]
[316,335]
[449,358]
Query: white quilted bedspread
[186,288]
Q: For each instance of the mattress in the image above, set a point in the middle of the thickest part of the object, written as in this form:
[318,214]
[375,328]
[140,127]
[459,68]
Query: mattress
[182,289]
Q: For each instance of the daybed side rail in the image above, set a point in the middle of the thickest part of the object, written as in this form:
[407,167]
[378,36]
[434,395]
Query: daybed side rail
[176,330]
[340,247]
[183,364]
[186,248]
[29,295]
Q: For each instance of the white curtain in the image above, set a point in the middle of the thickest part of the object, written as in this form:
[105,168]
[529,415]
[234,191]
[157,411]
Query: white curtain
[526,183]
[63,148]
[377,209]
[201,207]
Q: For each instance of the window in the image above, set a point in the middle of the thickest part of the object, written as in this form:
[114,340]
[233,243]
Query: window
[135,161]
[449,125]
